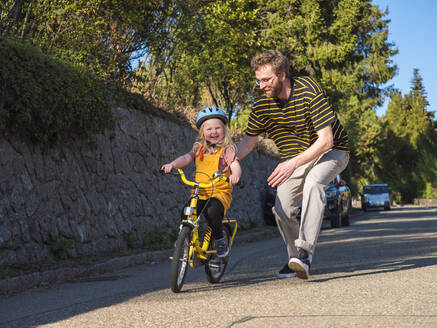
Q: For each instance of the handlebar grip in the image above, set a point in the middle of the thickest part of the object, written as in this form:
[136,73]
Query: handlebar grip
[172,172]
[240,183]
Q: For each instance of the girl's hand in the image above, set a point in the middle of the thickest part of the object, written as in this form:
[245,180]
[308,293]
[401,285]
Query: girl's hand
[235,173]
[167,167]
[233,179]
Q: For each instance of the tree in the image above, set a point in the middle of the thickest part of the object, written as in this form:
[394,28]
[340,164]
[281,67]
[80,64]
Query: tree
[343,44]
[417,88]
[396,156]
[198,52]
[407,154]
[104,35]
[210,58]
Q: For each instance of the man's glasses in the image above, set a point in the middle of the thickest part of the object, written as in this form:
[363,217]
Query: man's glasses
[264,81]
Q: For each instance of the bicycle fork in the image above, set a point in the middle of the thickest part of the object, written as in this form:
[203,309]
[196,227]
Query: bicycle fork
[198,253]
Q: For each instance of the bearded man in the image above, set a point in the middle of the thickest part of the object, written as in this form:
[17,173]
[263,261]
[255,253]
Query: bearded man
[313,146]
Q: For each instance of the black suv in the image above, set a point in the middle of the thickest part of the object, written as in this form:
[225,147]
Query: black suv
[338,203]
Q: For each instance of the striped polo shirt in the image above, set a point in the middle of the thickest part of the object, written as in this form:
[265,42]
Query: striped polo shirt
[293,125]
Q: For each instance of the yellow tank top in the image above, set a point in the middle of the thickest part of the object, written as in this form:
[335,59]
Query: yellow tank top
[222,190]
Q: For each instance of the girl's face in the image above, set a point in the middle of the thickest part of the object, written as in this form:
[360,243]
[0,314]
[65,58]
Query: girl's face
[213,130]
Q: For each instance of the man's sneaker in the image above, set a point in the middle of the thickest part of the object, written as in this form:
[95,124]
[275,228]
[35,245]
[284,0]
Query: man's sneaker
[286,272]
[221,247]
[301,264]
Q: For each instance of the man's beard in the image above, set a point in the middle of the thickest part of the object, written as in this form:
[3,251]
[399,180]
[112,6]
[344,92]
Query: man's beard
[275,91]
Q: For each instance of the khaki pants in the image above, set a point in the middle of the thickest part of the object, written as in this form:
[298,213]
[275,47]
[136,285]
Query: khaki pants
[306,187]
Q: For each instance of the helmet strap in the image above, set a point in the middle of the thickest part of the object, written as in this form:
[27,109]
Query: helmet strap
[201,152]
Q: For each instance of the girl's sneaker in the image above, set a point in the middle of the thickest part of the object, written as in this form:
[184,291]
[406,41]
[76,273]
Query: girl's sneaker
[221,247]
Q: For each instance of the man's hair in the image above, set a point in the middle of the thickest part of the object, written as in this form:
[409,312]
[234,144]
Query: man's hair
[271,57]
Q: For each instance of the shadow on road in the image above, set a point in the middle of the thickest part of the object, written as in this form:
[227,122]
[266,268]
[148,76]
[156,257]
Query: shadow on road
[232,283]
[379,242]
[376,242]
[377,268]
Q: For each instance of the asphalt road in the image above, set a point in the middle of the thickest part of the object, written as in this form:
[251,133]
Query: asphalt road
[379,272]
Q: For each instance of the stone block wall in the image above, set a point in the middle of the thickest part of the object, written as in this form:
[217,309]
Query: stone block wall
[104,197]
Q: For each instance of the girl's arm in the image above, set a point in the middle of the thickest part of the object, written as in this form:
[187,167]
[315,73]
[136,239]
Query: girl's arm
[178,163]
[236,172]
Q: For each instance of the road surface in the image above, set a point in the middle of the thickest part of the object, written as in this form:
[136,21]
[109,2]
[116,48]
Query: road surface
[381,271]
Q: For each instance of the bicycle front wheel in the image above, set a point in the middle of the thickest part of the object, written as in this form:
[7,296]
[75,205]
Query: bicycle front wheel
[215,266]
[179,264]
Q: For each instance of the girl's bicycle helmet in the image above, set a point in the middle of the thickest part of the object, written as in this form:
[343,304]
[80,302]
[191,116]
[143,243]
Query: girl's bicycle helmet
[210,112]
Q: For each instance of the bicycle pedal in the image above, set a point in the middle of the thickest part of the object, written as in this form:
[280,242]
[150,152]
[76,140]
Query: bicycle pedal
[214,267]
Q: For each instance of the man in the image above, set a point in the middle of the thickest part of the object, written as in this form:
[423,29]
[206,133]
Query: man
[313,145]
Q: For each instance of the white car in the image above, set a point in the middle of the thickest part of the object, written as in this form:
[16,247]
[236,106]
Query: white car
[375,195]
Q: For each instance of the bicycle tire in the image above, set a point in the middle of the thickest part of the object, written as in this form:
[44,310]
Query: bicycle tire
[179,264]
[215,266]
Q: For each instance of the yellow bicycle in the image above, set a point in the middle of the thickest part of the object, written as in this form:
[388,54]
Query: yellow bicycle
[193,248]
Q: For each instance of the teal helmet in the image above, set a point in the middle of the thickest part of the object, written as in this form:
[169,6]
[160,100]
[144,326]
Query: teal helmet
[210,112]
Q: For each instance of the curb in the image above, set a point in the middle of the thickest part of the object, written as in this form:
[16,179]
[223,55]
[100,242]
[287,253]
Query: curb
[16,285]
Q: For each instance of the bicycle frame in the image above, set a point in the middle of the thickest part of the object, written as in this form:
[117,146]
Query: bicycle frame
[198,249]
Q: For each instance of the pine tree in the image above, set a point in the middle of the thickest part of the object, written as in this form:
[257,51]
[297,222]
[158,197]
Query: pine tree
[417,88]
[407,155]
[343,45]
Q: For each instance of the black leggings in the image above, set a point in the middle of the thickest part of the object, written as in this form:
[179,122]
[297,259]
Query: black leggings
[213,212]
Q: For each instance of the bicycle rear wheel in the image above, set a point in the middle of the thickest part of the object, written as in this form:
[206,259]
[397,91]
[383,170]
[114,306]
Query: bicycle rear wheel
[215,266]
[179,264]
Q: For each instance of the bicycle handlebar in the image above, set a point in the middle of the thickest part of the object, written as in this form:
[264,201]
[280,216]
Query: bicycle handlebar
[219,177]
[201,185]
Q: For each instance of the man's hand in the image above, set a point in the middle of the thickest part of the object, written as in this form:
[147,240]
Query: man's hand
[282,172]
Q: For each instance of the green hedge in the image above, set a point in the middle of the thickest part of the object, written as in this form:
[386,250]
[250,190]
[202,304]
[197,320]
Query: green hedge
[48,100]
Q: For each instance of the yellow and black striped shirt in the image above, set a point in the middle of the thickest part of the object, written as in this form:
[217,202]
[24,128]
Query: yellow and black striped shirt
[294,125]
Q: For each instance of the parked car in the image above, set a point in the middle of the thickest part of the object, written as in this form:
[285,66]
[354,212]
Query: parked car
[338,203]
[375,195]
[268,201]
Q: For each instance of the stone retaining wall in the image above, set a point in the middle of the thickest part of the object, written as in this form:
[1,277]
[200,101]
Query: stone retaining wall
[425,202]
[78,200]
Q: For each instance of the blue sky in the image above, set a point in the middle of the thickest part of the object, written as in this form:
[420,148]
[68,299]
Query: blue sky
[413,31]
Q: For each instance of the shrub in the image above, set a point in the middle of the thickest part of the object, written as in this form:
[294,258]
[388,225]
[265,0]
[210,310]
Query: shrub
[48,100]
[62,248]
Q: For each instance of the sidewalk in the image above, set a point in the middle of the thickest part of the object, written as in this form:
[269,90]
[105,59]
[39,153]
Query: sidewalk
[73,272]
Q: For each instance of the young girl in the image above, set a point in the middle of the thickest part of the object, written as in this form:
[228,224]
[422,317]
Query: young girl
[213,151]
